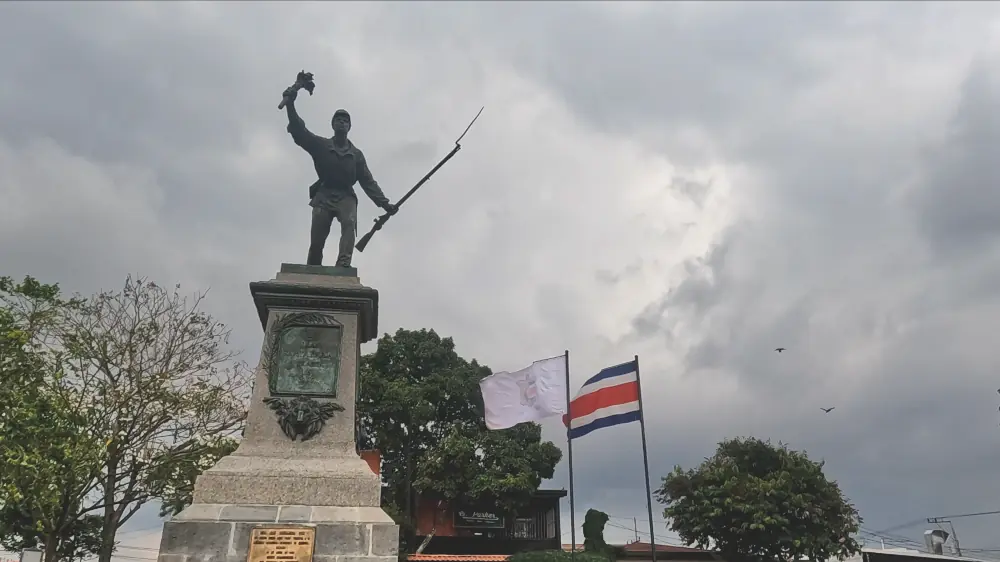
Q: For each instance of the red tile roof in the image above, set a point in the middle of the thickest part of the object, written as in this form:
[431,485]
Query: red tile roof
[640,547]
[458,557]
[644,547]
[635,547]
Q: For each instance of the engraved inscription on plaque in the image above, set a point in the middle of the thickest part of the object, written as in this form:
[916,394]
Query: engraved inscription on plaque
[308,361]
[281,544]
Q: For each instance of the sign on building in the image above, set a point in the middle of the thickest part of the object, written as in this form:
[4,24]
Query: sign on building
[478,517]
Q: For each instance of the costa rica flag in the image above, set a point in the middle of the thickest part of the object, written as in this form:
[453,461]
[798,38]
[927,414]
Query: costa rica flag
[611,397]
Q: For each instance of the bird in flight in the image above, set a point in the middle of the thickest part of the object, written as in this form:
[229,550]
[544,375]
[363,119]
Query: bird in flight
[780,349]
[827,410]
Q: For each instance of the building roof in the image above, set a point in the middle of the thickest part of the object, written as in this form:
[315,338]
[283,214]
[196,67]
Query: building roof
[913,553]
[458,557]
[641,547]
[644,547]
[550,493]
[540,494]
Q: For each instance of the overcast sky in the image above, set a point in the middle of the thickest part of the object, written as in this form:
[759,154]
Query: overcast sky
[693,183]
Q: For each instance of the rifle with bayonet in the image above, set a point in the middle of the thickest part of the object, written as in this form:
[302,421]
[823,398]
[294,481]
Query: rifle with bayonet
[380,221]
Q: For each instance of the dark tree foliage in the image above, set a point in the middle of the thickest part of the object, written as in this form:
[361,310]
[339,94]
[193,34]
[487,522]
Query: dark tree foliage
[80,539]
[50,458]
[421,407]
[174,483]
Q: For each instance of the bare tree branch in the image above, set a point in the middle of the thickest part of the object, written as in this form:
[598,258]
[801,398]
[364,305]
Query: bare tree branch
[151,374]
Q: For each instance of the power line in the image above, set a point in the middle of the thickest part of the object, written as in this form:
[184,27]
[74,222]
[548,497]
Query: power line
[613,516]
[643,533]
[911,543]
[964,515]
[883,537]
[900,542]
[905,542]
[883,534]
[662,521]
[142,530]
[920,521]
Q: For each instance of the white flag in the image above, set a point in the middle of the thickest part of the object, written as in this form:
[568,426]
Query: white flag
[529,395]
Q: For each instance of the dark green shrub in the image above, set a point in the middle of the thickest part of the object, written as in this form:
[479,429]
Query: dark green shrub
[557,556]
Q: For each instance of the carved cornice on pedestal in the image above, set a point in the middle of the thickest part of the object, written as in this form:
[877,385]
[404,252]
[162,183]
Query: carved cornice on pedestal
[360,299]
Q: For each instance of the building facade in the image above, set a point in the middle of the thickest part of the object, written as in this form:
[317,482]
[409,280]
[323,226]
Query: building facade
[460,528]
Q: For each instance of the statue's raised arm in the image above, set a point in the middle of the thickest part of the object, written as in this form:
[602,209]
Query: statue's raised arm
[296,126]
[304,81]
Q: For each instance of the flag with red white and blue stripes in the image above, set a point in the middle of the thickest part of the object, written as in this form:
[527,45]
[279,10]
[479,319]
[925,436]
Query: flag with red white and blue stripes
[609,398]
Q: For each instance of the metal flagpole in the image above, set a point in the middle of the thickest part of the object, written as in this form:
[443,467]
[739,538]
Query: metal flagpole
[569,444]
[645,463]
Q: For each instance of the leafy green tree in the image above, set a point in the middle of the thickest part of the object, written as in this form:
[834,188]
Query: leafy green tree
[130,391]
[173,483]
[757,502]
[50,458]
[80,540]
[503,468]
[421,407]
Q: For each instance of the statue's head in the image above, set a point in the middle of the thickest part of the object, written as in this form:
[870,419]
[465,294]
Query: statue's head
[341,121]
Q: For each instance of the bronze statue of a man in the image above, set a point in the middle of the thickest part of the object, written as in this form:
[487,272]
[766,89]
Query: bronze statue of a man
[339,165]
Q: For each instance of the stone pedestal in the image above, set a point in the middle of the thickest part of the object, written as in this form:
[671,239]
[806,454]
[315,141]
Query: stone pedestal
[272,479]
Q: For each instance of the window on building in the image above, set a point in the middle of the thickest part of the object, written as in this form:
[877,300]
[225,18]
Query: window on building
[550,524]
[524,528]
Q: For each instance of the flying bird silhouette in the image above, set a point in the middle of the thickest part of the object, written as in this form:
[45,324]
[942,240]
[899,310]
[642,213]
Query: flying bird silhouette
[827,410]
[780,349]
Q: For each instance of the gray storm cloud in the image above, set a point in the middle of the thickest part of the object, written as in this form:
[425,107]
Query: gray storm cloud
[698,184]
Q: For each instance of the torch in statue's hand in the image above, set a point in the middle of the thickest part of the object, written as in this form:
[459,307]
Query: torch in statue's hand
[304,81]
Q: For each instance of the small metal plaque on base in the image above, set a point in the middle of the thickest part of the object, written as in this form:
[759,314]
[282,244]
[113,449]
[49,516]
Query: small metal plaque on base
[281,544]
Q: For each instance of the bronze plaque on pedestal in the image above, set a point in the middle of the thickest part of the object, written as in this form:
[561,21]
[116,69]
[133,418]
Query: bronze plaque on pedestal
[303,356]
[281,544]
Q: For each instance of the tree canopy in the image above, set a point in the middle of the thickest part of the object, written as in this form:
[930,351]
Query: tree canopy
[50,457]
[756,502]
[421,407]
[80,540]
[121,398]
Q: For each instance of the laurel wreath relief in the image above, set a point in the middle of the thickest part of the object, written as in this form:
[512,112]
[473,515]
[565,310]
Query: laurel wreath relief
[302,416]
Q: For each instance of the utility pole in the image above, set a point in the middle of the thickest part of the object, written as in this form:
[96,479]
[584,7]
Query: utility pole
[954,536]
[635,528]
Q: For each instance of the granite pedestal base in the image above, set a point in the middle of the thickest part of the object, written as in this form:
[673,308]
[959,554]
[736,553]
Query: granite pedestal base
[238,479]
[221,533]
[272,480]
